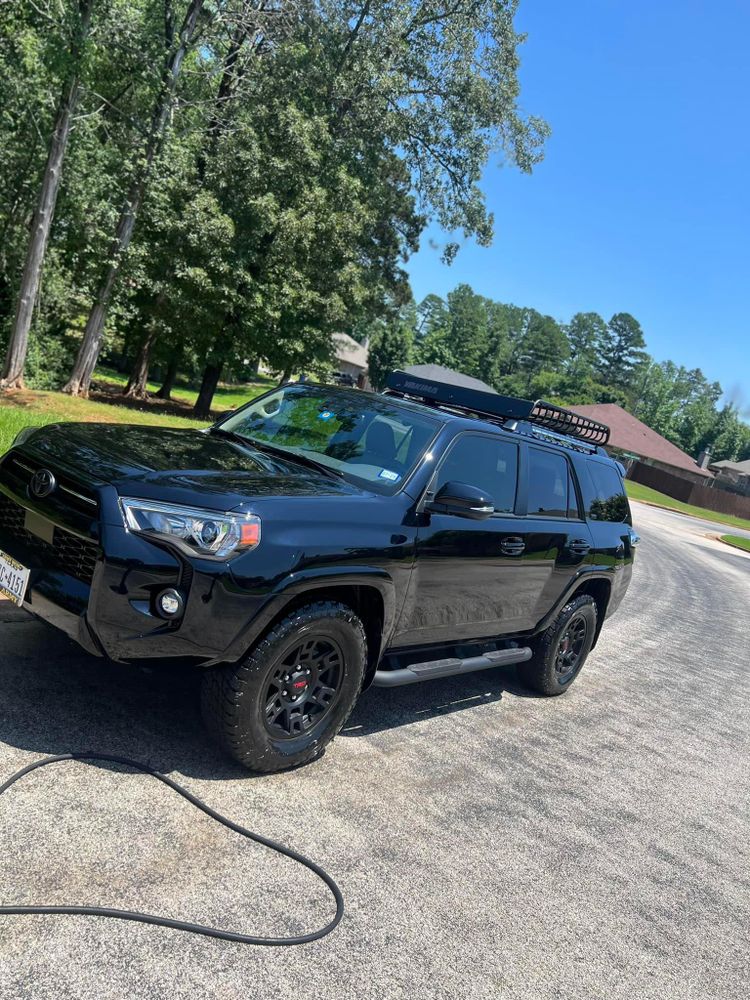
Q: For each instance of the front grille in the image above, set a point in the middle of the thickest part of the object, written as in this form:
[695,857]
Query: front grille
[74,494]
[67,552]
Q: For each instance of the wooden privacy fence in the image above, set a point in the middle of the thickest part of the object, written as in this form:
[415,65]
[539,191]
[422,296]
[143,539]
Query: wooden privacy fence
[689,492]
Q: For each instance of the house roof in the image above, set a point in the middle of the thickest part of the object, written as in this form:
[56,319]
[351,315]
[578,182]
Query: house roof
[627,433]
[743,468]
[348,350]
[440,374]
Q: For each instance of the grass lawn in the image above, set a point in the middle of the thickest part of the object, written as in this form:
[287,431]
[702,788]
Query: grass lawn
[636,491]
[737,542]
[227,397]
[22,408]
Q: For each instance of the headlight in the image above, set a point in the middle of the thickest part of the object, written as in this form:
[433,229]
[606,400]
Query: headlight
[202,531]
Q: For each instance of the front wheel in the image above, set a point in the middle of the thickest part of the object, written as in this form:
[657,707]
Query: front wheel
[286,701]
[562,649]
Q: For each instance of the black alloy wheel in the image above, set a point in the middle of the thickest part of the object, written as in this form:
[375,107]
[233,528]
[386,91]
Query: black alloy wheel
[561,650]
[303,687]
[285,701]
[570,648]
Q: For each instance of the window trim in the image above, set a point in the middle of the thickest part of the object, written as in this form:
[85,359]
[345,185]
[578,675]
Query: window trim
[429,492]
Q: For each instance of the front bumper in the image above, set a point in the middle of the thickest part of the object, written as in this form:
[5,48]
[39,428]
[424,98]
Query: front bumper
[97,582]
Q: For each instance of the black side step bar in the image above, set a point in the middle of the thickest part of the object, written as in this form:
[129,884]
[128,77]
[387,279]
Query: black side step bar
[447,668]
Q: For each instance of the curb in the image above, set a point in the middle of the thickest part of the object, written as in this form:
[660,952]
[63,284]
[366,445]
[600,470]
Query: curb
[724,541]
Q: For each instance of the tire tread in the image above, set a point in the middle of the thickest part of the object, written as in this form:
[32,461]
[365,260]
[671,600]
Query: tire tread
[223,688]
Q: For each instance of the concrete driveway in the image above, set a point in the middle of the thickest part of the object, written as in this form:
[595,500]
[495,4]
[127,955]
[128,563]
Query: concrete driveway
[488,843]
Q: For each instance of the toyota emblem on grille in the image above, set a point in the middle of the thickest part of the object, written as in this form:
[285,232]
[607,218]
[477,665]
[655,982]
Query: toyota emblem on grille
[42,483]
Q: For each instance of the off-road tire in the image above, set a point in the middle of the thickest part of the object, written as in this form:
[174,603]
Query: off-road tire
[540,673]
[233,697]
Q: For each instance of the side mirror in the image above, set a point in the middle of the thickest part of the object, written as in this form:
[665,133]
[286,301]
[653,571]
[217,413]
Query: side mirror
[462,500]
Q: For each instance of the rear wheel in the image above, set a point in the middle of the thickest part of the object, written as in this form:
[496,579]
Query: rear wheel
[562,650]
[286,701]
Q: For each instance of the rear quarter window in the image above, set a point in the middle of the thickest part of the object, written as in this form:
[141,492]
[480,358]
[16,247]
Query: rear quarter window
[550,485]
[607,500]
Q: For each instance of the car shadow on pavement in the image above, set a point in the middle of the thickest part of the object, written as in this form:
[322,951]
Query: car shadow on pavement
[56,698]
[388,708]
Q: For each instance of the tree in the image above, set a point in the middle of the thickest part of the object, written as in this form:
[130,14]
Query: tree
[467,316]
[727,436]
[433,87]
[389,350]
[436,348]
[545,343]
[432,314]
[622,349]
[495,359]
[77,29]
[586,333]
[178,46]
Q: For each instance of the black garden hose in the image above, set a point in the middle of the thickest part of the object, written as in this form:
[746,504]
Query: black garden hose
[181,925]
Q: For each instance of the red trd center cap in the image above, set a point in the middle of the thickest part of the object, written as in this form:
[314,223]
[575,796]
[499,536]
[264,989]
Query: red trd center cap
[298,684]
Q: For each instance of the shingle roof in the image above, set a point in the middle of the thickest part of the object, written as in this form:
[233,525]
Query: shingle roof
[742,467]
[627,433]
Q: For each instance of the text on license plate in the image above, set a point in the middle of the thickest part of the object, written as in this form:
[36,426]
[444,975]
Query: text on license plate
[13,578]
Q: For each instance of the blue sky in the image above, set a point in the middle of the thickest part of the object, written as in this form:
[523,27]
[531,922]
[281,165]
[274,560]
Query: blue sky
[642,203]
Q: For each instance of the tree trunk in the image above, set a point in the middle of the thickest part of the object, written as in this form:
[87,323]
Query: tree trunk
[88,354]
[169,379]
[15,359]
[138,381]
[211,376]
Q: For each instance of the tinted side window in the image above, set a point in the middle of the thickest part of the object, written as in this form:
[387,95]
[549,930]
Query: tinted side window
[609,501]
[548,484]
[491,464]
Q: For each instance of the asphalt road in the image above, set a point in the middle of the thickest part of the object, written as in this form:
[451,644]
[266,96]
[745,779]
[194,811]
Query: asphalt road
[489,843]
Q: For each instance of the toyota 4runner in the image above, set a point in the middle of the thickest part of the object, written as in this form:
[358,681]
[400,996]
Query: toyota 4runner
[321,539]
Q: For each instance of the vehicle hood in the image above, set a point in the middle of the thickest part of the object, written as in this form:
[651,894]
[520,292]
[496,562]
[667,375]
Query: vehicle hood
[176,464]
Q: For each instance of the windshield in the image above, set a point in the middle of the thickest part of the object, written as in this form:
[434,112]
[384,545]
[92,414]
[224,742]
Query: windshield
[370,438]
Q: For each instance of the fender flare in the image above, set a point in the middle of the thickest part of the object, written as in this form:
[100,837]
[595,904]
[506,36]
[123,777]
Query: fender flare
[581,580]
[310,581]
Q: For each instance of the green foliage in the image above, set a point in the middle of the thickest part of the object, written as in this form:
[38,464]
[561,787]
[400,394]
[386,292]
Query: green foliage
[48,362]
[306,149]
[520,352]
[621,350]
[390,349]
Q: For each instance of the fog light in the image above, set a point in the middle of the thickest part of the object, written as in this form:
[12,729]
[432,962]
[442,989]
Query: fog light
[170,603]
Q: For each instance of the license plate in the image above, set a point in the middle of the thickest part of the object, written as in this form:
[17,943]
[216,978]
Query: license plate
[13,578]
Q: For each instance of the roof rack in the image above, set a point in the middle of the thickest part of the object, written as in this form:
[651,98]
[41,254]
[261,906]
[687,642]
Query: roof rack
[497,407]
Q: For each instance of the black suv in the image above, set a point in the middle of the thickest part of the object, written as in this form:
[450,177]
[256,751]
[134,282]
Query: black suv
[321,539]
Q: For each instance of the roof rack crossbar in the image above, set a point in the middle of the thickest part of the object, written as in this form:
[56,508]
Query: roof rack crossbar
[557,418]
[491,404]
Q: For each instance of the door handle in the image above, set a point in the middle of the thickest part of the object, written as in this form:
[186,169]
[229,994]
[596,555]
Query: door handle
[580,546]
[513,545]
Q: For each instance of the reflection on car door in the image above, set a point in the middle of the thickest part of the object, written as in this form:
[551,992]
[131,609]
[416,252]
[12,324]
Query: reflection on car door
[556,534]
[472,579]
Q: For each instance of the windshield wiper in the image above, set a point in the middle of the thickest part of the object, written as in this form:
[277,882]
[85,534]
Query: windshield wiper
[272,449]
[232,435]
[303,459]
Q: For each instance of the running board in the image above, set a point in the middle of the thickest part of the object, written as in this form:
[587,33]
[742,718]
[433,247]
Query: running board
[449,667]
